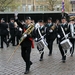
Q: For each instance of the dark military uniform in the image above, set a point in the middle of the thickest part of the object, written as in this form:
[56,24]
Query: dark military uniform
[17,34]
[3,33]
[60,33]
[50,37]
[12,33]
[26,47]
[43,32]
[72,39]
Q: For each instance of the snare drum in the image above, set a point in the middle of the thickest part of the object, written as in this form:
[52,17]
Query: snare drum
[40,45]
[66,44]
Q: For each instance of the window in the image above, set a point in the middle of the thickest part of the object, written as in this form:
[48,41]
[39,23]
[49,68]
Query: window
[29,7]
[45,8]
[24,8]
[37,8]
[73,7]
[41,8]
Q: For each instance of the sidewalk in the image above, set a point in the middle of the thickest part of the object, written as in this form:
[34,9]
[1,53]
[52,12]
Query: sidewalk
[51,65]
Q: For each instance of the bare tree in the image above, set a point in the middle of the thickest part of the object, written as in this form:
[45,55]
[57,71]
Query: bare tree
[51,4]
[4,4]
[68,6]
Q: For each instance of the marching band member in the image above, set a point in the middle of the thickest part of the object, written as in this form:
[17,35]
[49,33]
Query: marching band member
[60,35]
[3,32]
[26,44]
[50,35]
[42,31]
[57,23]
[72,38]
[12,32]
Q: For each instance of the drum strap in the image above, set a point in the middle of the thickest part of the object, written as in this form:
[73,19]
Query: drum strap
[63,32]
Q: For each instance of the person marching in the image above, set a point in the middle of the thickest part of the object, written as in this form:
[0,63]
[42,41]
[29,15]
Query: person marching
[40,30]
[26,44]
[12,32]
[50,34]
[60,35]
[3,32]
[72,35]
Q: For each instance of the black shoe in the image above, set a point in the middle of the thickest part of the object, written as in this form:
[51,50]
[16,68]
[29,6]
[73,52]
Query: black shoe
[71,55]
[26,72]
[49,54]
[7,44]
[30,64]
[63,59]
[41,59]
[1,47]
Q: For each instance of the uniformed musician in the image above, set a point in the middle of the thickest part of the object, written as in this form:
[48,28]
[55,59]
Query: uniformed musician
[60,35]
[26,44]
[72,35]
[42,31]
[50,35]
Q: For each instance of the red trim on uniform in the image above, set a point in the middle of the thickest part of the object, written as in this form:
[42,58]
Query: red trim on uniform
[31,39]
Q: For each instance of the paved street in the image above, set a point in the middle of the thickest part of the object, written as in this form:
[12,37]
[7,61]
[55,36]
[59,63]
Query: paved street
[51,65]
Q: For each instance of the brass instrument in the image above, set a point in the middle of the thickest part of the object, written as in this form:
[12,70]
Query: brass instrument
[53,27]
[28,31]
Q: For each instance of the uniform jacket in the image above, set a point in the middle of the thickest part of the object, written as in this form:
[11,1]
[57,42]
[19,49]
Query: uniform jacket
[12,28]
[65,28]
[3,29]
[27,42]
[50,35]
[42,31]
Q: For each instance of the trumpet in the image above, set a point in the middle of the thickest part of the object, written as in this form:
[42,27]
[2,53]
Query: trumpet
[28,31]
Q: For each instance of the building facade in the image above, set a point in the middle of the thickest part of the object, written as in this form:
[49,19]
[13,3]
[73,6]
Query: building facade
[73,5]
[38,5]
[41,5]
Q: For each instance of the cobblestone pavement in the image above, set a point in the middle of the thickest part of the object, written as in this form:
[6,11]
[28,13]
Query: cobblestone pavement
[51,65]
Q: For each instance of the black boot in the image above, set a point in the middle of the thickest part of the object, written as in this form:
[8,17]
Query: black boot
[26,72]
[41,58]
[63,59]
[49,53]
[30,64]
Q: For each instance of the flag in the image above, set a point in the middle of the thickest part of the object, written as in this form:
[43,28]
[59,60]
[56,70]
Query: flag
[63,8]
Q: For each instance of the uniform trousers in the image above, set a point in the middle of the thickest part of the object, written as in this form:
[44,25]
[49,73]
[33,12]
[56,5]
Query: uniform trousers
[3,39]
[25,52]
[50,45]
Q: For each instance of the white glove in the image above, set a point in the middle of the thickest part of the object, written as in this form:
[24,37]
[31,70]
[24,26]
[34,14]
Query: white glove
[20,29]
[51,30]
[36,39]
[16,17]
[25,36]
[66,35]
[58,36]
[42,37]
